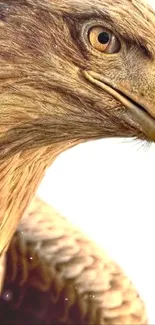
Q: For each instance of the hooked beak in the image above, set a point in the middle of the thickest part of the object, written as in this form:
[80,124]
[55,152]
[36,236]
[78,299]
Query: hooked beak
[138,110]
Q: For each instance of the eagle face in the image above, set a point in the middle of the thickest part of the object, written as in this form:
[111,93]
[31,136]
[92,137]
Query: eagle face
[75,70]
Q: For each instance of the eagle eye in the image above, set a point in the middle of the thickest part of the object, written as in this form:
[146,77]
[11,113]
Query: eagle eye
[103,40]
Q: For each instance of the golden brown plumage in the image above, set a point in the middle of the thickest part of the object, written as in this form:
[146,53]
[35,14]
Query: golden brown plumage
[56,275]
[61,83]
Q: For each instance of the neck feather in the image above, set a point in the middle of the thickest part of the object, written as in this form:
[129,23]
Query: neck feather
[20,176]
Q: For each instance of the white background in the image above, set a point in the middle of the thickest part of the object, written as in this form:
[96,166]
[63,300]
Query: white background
[151,3]
[107,188]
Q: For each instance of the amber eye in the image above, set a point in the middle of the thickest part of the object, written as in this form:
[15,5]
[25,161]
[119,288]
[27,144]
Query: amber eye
[103,40]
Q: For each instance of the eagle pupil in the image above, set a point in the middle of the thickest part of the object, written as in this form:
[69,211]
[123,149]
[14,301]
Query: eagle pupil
[103,38]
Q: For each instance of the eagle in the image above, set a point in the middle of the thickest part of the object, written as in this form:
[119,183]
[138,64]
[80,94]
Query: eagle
[70,71]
